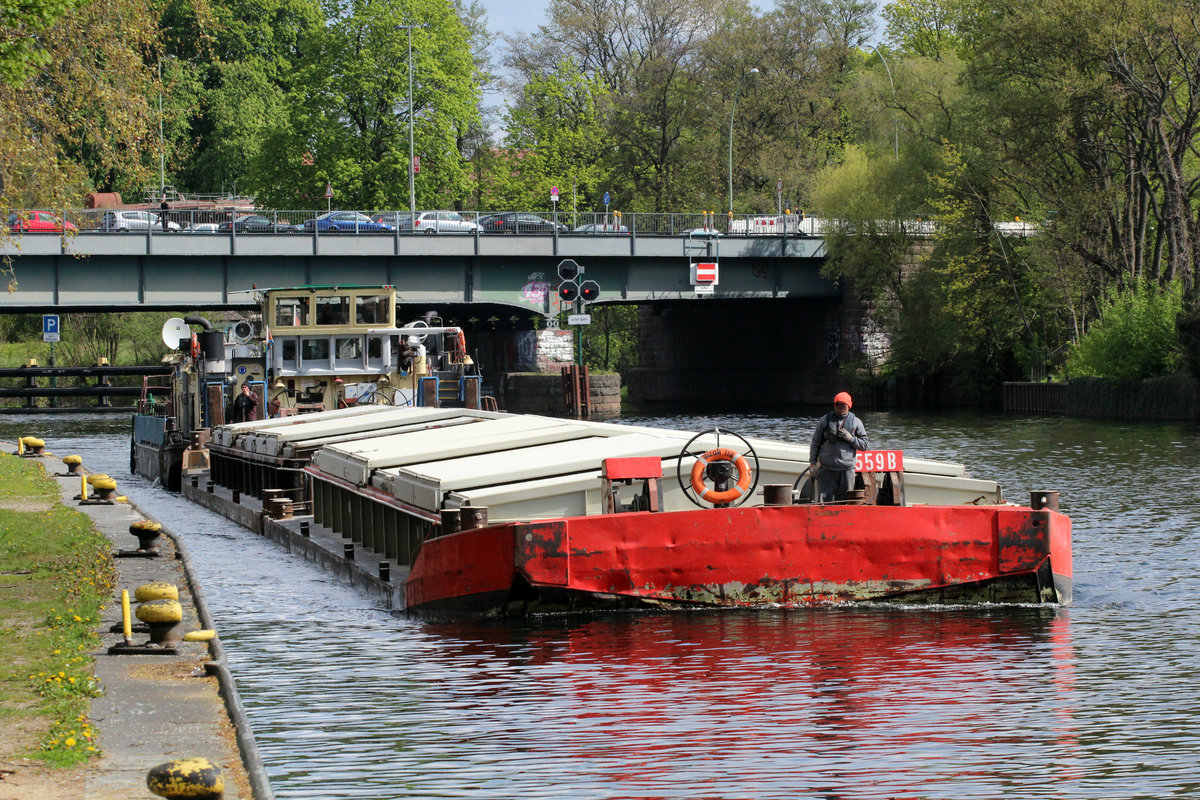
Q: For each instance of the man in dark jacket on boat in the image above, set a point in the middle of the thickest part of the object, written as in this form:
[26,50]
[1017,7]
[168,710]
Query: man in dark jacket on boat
[839,435]
[245,405]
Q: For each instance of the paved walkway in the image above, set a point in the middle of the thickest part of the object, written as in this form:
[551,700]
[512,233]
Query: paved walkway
[155,708]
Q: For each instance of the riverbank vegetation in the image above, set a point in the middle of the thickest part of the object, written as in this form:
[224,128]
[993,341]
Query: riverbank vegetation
[56,573]
[995,179]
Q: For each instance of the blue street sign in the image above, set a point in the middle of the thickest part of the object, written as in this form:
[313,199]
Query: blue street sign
[606,198]
[50,329]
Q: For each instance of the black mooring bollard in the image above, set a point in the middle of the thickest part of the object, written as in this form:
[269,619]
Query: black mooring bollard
[237,497]
[209,487]
[195,481]
[349,551]
[385,571]
[304,529]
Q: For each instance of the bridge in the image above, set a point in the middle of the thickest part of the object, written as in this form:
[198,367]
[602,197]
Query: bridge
[156,270]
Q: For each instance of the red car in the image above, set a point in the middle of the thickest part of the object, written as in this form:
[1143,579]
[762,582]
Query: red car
[38,222]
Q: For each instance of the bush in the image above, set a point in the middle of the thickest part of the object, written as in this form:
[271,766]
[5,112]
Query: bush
[1135,337]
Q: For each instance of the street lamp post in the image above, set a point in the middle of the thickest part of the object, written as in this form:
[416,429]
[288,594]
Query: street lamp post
[732,111]
[895,126]
[162,147]
[412,186]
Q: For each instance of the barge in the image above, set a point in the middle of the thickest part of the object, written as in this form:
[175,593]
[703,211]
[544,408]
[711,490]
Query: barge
[481,513]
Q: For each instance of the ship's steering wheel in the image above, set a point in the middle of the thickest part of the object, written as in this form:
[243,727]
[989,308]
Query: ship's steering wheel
[717,475]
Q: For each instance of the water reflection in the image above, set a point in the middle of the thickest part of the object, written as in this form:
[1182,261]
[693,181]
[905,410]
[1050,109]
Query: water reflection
[350,701]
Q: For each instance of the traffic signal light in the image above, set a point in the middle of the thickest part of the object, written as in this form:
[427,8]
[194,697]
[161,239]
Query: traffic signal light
[569,269]
[568,291]
[589,291]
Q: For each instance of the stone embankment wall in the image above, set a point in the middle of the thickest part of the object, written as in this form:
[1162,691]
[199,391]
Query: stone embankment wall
[535,393]
[1168,398]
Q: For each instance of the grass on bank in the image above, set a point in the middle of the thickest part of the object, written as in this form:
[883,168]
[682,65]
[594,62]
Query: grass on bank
[56,574]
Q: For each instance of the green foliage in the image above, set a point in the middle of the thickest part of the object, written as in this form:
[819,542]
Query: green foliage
[926,28]
[348,116]
[22,25]
[555,138]
[1135,337]
[78,117]
[610,342]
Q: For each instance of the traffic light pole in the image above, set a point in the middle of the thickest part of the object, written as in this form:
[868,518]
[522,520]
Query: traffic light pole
[579,310]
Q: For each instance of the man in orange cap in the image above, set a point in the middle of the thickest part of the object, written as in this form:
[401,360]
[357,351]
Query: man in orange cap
[838,436]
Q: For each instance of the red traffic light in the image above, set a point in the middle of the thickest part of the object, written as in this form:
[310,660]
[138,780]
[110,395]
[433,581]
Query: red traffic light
[589,291]
[568,291]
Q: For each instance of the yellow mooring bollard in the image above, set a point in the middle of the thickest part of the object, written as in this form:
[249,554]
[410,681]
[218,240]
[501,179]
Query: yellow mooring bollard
[192,778]
[83,491]
[126,623]
[20,445]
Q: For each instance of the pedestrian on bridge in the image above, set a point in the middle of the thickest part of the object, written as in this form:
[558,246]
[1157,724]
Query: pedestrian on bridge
[839,435]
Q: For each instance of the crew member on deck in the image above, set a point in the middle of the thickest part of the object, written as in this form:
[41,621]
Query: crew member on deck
[245,405]
[839,435]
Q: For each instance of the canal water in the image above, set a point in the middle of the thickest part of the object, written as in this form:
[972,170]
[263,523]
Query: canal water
[1099,700]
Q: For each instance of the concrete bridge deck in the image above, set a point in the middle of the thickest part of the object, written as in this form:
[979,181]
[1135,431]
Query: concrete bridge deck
[161,271]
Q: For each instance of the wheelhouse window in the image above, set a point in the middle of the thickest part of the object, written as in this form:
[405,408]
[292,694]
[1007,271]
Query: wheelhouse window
[349,350]
[333,310]
[287,350]
[291,311]
[315,350]
[375,353]
[371,310]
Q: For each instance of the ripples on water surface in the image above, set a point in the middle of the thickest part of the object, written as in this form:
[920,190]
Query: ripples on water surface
[1097,701]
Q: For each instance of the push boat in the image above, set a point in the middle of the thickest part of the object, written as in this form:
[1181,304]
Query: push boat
[308,349]
[481,513]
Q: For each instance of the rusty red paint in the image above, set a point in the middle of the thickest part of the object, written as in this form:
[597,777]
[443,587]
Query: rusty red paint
[753,556]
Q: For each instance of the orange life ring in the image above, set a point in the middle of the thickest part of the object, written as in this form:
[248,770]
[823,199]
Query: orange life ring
[462,342]
[728,495]
[195,346]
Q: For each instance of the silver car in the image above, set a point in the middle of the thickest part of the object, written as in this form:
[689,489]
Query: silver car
[128,220]
[433,222]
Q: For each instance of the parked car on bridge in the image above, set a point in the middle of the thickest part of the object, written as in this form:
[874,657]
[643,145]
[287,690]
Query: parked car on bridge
[125,220]
[38,222]
[610,228]
[702,233]
[517,222]
[345,222]
[428,222]
[253,223]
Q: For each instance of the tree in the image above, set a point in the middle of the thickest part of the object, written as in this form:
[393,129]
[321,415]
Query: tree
[647,53]
[610,342]
[554,138]
[23,23]
[82,120]
[348,113]
[1095,109]
[226,73]
[1135,336]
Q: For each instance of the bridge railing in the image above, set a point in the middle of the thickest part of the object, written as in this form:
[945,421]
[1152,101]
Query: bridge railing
[150,222]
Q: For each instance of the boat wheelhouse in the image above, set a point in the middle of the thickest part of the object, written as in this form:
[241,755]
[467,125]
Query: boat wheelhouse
[309,349]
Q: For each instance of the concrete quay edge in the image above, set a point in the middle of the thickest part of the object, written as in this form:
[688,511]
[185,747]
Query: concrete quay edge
[159,708]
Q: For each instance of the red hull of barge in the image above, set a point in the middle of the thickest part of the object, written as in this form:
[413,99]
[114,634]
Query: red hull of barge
[743,557]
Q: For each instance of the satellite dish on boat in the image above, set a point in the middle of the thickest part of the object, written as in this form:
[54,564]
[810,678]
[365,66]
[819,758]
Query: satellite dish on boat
[175,332]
